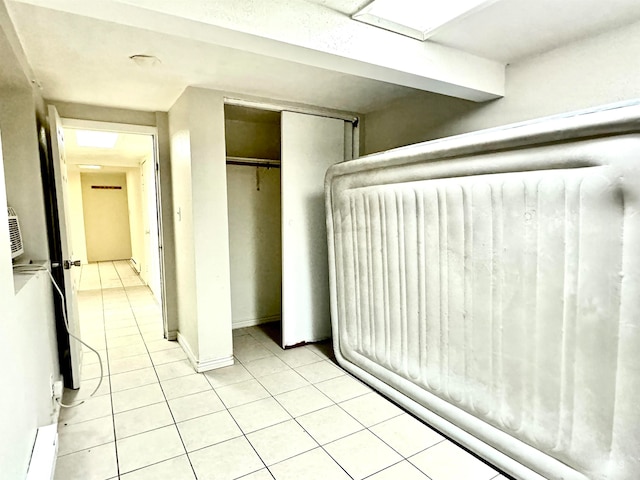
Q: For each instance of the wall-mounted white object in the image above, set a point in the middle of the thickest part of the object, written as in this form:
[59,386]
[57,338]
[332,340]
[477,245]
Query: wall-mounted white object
[15,235]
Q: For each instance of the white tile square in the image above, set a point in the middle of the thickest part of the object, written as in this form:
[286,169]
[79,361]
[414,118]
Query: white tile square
[247,349]
[323,349]
[221,377]
[329,424]
[447,461]
[177,468]
[158,345]
[167,356]
[296,357]
[259,475]
[181,386]
[208,430]
[342,388]
[137,397]
[84,435]
[303,400]
[92,408]
[371,409]
[313,465]
[143,419]
[196,405]
[92,370]
[281,441]
[226,461]
[126,351]
[135,339]
[319,371]
[241,393]
[403,470]
[148,448]
[127,364]
[122,332]
[362,454]
[266,366]
[90,358]
[96,463]
[406,435]
[260,414]
[133,379]
[167,371]
[281,382]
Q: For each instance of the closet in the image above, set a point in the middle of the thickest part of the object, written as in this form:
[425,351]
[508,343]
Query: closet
[276,163]
[253,199]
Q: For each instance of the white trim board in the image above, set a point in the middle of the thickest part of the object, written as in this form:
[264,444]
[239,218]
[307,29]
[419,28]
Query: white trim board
[252,322]
[203,365]
[42,465]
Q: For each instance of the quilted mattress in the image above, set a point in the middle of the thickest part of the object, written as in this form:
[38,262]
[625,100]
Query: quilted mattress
[490,284]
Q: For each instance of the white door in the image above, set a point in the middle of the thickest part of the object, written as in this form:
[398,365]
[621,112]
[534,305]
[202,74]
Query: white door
[151,267]
[71,273]
[310,145]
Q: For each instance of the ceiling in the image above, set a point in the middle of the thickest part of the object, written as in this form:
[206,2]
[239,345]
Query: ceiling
[129,150]
[303,51]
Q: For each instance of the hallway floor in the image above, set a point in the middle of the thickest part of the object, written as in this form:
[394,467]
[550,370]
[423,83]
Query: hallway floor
[275,414]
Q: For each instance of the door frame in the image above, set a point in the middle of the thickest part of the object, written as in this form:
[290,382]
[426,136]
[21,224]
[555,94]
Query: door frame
[318,112]
[141,130]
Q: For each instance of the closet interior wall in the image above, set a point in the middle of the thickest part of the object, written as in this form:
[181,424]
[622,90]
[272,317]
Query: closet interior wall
[252,137]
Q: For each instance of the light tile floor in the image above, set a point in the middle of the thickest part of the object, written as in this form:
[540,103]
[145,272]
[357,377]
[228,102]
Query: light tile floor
[275,414]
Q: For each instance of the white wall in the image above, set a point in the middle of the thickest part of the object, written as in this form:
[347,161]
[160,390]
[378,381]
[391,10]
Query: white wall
[196,124]
[28,353]
[136,224]
[106,217]
[22,169]
[255,244]
[587,73]
[183,222]
[252,139]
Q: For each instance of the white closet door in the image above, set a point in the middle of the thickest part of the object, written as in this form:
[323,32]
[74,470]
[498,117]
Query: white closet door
[310,145]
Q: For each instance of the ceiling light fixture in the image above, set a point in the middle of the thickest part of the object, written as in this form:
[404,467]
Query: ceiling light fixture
[145,60]
[90,167]
[96,139]
[417,19]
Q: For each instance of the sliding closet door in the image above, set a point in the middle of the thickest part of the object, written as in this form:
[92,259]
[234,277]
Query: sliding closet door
[310,144]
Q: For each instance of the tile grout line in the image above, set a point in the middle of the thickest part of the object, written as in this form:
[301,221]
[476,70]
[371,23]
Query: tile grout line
[292,417]
[175,424]
[113,416]
[239,428]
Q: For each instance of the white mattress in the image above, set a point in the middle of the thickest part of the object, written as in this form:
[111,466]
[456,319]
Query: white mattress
[490,284]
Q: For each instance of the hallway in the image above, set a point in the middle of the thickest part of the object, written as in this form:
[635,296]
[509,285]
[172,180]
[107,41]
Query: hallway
[283,414]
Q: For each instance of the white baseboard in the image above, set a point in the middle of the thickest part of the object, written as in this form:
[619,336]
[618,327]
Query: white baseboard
[135,265]
[203,365]
[42,465]
[252,322]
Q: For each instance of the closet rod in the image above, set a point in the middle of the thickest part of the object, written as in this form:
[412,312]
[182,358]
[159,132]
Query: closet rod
[253,162]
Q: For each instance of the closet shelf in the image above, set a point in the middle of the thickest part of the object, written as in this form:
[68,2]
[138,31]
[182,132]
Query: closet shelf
[253,162]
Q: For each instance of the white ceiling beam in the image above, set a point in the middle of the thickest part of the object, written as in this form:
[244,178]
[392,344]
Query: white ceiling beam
[305,33]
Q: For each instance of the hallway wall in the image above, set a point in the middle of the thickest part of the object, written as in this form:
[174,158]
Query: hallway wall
[106,216]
